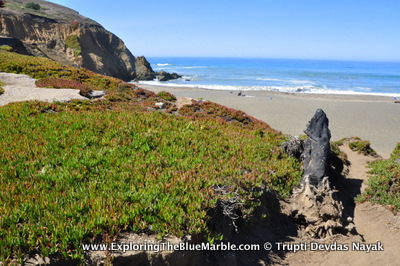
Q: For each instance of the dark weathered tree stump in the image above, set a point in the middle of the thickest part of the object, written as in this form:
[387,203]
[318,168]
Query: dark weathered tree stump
[314,203]
[317,149]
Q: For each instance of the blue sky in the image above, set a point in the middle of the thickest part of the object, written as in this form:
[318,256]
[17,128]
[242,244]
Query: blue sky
[307,29]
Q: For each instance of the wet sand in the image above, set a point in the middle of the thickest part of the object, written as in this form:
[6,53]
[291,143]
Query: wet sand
[373,118]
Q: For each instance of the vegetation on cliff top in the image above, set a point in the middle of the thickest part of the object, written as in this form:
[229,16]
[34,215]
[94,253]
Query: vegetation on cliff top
[74,173]
[29,7]
[40,68]
[33,5]
[47,9]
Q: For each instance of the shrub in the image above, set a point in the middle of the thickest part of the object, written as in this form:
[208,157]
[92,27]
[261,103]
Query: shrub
[75,25]
[384,184]
[32,5]
[59,83]
[361,146]
[337,152]
[166,96]
[210,109]
[6,48]
[73,43]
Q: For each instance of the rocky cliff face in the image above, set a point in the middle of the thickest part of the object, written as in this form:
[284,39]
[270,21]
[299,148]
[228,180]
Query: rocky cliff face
[63,35]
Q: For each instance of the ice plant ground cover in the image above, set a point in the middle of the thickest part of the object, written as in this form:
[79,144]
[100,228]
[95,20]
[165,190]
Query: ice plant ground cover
[384,185]
[72,173]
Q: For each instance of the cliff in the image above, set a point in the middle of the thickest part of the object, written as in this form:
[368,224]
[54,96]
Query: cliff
[65,36]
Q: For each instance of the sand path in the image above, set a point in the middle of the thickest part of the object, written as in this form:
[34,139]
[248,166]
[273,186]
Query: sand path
[373,222]
[21,88]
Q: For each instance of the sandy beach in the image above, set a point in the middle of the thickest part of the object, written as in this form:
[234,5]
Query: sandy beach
[372,118]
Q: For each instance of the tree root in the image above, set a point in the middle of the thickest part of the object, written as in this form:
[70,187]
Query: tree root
[318,209]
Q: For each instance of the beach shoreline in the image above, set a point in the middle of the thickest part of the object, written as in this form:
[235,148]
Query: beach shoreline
[373,118]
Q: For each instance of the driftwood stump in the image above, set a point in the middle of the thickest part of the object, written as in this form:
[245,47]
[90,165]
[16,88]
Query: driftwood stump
[317,149]
[314,204]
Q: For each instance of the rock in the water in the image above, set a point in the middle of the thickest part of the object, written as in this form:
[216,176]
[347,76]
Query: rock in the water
[165,76]
[317,149]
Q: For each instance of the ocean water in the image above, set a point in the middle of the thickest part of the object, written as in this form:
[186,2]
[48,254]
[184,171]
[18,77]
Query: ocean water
[284,75]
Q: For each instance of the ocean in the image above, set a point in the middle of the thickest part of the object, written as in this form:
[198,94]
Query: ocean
[283,75]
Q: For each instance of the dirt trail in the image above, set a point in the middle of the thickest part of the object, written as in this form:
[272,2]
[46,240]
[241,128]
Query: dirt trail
[373,222]
[21,88]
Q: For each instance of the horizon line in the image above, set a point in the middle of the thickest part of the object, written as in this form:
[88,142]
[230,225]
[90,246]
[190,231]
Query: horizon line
[275,58]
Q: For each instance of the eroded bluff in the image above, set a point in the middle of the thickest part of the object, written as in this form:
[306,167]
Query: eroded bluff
[65,36]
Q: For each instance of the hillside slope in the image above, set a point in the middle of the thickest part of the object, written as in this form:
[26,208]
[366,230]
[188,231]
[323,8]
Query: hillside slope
[89,170]
[63,35]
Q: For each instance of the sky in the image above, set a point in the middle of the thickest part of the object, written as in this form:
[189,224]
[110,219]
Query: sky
[306,29]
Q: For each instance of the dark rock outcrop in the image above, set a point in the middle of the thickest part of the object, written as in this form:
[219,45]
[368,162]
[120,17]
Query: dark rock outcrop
[65,36]
[143,69]
[165,76]
[15,45]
